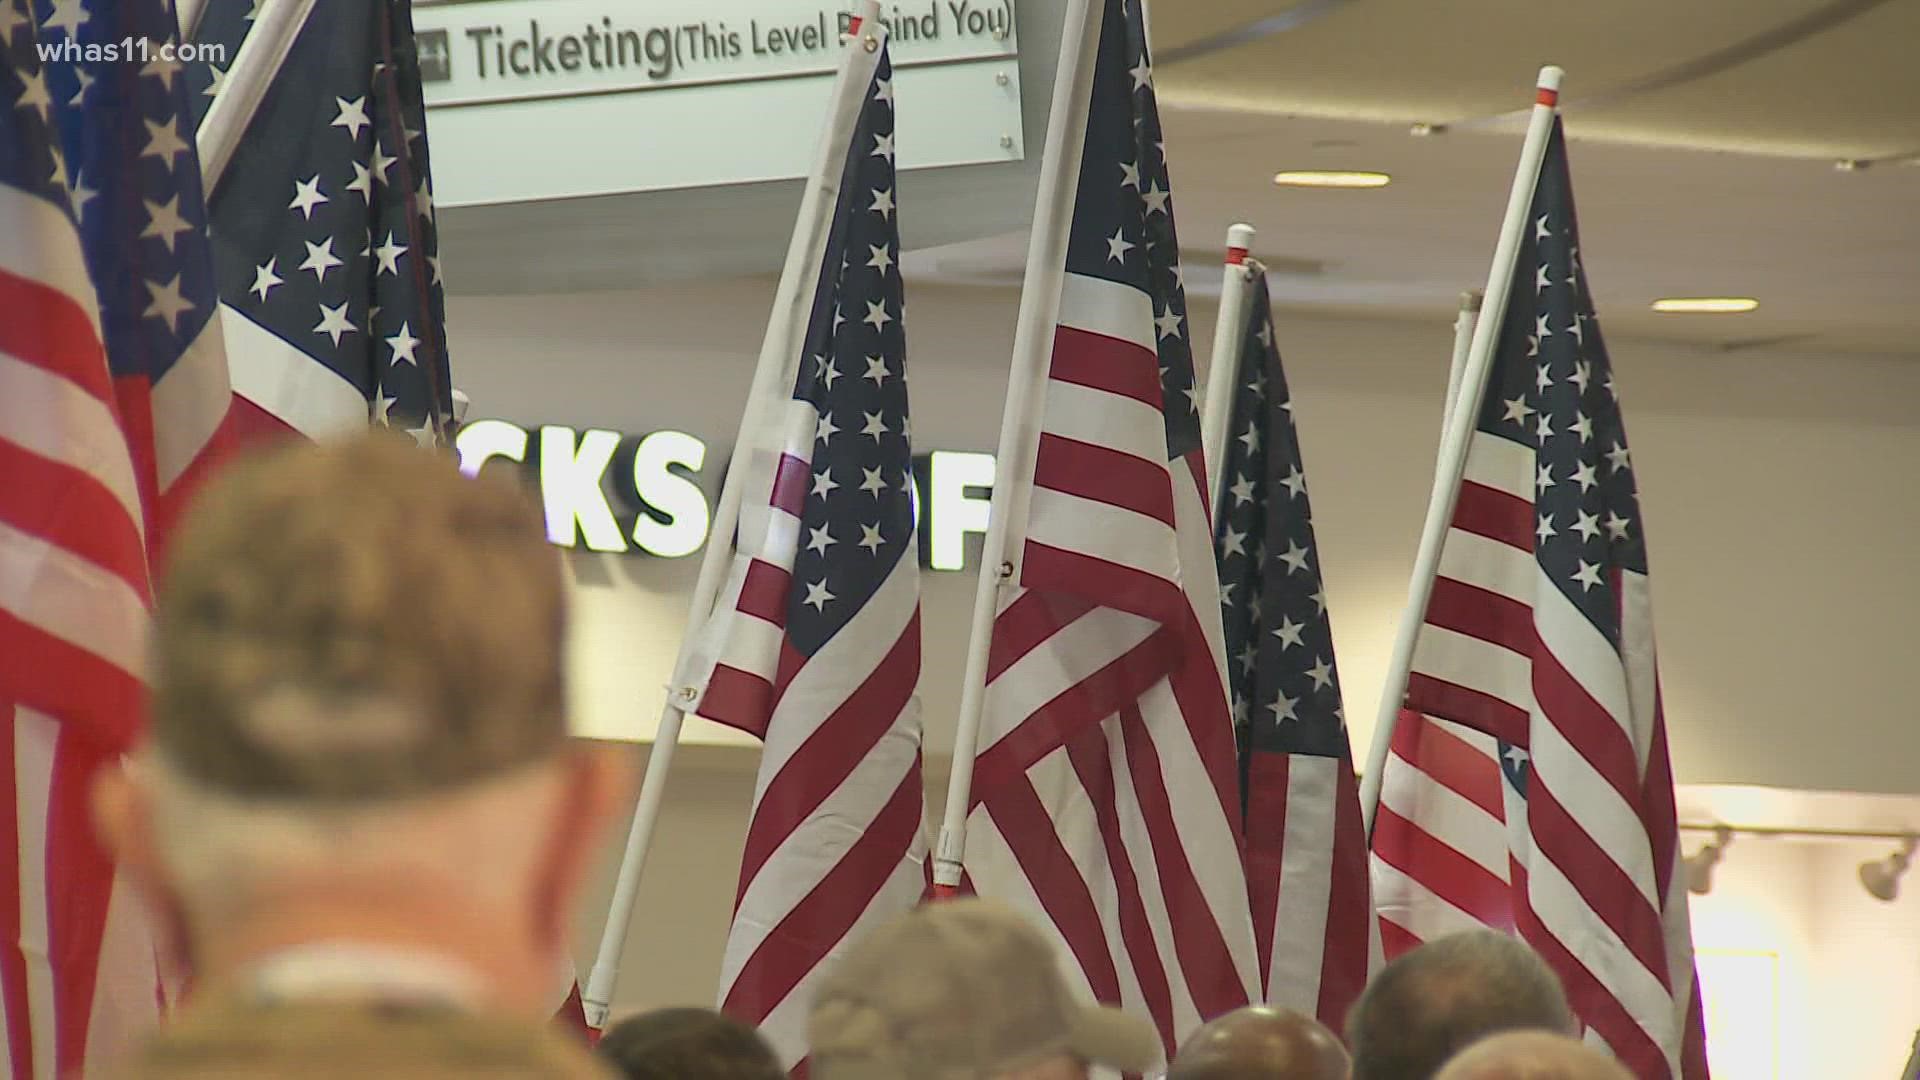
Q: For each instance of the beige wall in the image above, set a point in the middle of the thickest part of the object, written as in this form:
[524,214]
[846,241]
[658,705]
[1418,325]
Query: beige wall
[1777,491]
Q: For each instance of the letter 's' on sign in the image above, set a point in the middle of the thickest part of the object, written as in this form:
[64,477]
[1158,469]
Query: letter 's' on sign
[670,493]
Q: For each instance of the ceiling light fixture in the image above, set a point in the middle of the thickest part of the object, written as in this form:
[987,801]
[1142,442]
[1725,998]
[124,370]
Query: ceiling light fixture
[1331,178]
[1881,877]
[1699,865]
[1707,305]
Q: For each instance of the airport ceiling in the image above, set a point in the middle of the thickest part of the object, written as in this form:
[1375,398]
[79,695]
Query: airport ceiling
[1705,137]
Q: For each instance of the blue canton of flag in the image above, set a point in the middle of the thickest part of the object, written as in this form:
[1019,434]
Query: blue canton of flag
[126,126]
[1123,228]
[1286,693]
[31,158]
[324,234]
[1306,851]
[859,511]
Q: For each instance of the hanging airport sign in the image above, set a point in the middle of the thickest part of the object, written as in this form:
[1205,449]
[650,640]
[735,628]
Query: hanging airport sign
[534,99]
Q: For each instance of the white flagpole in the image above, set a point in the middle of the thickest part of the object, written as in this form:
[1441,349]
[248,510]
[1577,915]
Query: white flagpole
[1459,432]
[1223,372]
[1462,341]
[187,13]
[1019,426]
[266,46]
[774,372]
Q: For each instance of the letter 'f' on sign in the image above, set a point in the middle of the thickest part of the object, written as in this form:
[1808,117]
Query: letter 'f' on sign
[957,486]
[570,483]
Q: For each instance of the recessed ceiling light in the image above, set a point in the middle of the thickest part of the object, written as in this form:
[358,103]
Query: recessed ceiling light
[1331,178]
[1718,305]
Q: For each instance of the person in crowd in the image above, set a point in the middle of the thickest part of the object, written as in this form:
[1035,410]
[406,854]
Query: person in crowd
[689,1044]
[357,816]
[964,990]
[1428,1003]
[1260,1042]
[1532,1055]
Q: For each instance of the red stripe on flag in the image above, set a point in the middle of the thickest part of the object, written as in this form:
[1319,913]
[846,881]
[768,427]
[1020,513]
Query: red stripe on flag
[1602,884]
[738,699]
[792,479]
[44,327]
[1481,613]
[71,510]
[1034,840]
[1410,849]
[1464,705]
[1202,699]
[13,961]
[1395,939]
[763,593]
[1032,618]
[1059,721]
[1595,1004]
[1105,475]
[1587,726]
[1450,761]
[79,877]
[1117,586]
[1495,514]
[254,425]
[831,751]
[1205,959]
[1092,763]
[60,679]
[1266,828]
[1344,964]
[821,920]
[1099,362]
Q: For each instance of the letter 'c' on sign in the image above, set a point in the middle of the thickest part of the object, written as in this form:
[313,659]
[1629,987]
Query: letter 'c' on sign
[485,439]
[679,498]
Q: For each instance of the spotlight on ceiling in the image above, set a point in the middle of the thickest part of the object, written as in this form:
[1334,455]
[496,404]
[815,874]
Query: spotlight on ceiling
[1882,876]
[1699,865]
[1705,305]
[1331,178]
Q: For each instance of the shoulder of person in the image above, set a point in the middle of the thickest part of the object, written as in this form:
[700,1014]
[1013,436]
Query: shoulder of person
[365,1040]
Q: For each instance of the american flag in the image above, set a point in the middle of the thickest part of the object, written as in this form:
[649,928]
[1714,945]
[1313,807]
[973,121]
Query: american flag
[114,402]
[1536,792]
[324,235]
[815,647]
[1306,848]
[1105,798]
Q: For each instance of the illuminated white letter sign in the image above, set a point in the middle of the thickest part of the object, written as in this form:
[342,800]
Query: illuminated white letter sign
[570,484]
[953,512]
[679,498]
[661,488]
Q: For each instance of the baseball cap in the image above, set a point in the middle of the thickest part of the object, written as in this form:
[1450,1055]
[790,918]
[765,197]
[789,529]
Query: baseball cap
[356,620]
[961,990]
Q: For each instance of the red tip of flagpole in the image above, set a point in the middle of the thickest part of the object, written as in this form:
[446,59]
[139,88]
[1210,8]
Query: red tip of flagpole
[1548,86]
[945,892]
[1236,256]
[1239,242]
[853,24]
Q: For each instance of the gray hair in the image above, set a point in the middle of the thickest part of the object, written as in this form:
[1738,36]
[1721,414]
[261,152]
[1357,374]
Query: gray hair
[1426,1005]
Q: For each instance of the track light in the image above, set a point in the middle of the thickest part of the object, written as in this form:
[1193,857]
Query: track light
[1700,864]
[1881,877]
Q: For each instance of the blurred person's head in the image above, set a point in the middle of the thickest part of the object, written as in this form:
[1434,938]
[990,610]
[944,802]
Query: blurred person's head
[1260,1042]
[358,729]
[689,1044]
[964,990]
[1428,1003]
[1532,1055]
